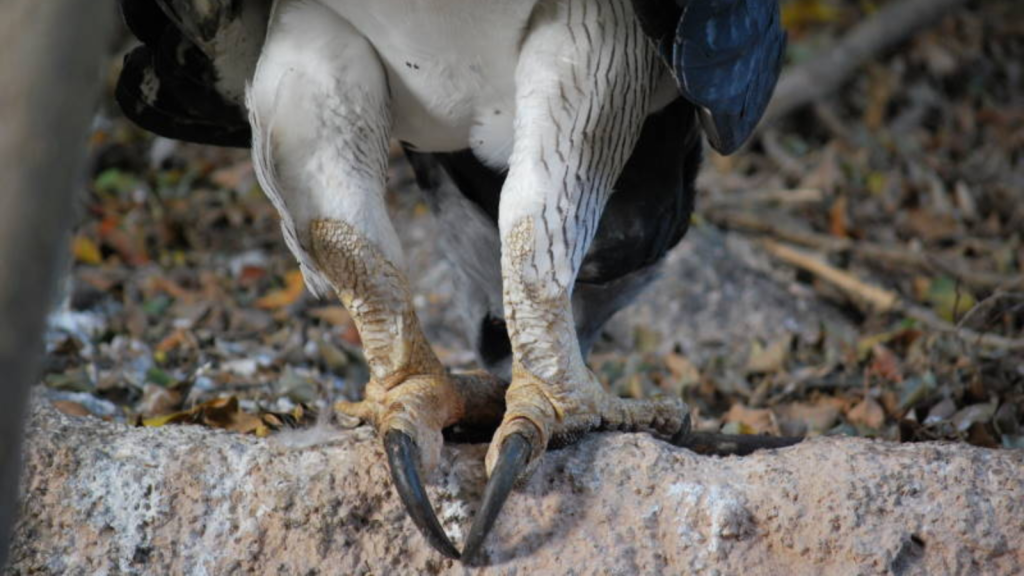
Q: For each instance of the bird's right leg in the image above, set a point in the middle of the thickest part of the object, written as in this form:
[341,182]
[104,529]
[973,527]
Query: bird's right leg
[320,115]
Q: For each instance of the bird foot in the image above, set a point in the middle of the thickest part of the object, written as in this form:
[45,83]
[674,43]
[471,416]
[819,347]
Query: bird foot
[409,413]
[539,413]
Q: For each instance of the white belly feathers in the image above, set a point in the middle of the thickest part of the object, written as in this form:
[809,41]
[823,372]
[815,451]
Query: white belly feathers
[450,66]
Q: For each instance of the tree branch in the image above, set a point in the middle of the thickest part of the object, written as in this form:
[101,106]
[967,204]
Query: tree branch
[803,84]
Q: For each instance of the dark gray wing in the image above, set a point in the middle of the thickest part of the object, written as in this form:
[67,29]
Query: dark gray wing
[187,79]
[726,56]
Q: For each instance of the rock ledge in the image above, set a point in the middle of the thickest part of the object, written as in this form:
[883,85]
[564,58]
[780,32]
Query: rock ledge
[101,498]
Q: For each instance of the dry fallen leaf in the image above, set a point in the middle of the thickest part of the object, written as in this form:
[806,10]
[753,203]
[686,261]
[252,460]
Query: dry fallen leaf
[838,221]
[867,413]
[85,250]
[226,414]
[771,358]
[217,413]
[157,400]
[802,13]
[818,417]
[176,339]
[973,414]
[751,420]
[884,364]
[286,296]
[684,373]
[71,408]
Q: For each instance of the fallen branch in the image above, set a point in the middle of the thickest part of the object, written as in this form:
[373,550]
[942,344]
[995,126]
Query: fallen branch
[779,226]
[755,198]
[980,339]
[875,299]
[803,84]
[880,300]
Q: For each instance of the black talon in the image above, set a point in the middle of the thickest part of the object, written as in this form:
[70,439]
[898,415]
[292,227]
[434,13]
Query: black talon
[403,455]
[680,437]
[515,452]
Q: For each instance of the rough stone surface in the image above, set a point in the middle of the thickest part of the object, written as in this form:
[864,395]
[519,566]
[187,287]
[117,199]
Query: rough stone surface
[101,498]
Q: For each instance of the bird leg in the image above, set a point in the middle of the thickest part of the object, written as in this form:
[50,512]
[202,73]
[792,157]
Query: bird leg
[553,396]
[319,109]
[584,87]
[410,397]
[410,391]
[409,388]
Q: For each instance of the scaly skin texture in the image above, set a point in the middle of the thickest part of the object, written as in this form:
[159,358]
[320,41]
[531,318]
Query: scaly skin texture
[409,390]
[553,393]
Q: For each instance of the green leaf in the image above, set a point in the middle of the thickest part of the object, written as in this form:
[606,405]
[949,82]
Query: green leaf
[114,182]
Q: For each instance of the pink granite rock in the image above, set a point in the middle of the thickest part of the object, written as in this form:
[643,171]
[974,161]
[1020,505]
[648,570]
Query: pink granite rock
[102,498]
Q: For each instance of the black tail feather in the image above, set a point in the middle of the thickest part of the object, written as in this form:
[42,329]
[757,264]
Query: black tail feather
[169,85]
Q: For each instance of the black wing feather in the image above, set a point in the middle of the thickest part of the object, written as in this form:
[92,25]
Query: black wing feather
[169,84]
[726,56]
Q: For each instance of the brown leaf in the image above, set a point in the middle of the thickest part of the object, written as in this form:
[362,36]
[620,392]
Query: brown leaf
[286,296]
[175,340]
[71,408]
[867,413]
[171,288]
[223,413]
[131,248]
[158,400]
[929,226]
[85,250]
[684,373]
[838,225]
[818,417]
[884,364]
[880,90]
[771,358]
[826,175]
[979,435]
[751,421]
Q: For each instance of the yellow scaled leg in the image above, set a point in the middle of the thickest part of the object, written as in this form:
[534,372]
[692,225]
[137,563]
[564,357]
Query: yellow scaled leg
[410,397]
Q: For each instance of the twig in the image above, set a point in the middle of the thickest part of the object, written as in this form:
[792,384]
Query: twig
[897,21]
[786,197]
[980,339]
[881,300]
[784,228]
[829,117]
[876,299]
[775,224]
[986,303]
[789,165]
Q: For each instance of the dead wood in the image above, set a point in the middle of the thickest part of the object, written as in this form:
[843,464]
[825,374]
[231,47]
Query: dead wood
[803,84]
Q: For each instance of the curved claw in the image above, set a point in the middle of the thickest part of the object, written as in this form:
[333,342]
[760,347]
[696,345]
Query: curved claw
[403,455]
[515,452]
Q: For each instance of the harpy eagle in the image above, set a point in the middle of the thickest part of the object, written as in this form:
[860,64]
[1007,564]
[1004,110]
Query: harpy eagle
[557,142]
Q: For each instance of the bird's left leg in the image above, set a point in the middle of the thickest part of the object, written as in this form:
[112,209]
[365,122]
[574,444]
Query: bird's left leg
[584,84]
[320,114]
